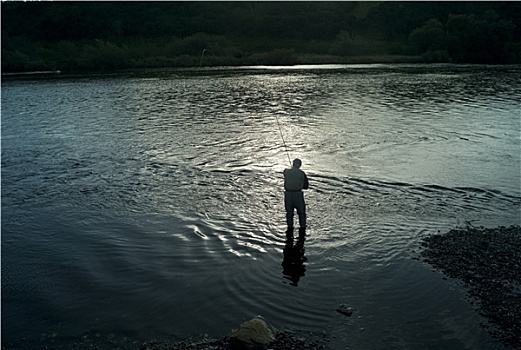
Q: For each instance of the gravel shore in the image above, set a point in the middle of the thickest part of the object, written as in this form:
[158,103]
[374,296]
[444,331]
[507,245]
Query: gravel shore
[285,340]
[488,262]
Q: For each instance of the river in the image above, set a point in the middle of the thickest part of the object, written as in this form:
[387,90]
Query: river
[149,204]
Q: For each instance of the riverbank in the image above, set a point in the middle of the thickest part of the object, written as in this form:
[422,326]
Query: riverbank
[281,57]
[285,340]
[105,36]
[488,262]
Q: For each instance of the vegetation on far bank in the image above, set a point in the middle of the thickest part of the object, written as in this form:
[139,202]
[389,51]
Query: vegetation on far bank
[118,35]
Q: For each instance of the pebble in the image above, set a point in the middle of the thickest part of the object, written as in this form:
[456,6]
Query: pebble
[345,310]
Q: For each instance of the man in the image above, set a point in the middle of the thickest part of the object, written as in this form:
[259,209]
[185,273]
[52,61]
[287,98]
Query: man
[295,180]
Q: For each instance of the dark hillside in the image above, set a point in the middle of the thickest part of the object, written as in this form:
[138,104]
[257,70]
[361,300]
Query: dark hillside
[111,35]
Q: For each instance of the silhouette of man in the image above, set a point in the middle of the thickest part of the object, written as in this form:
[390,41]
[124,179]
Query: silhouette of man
[293,267]
[295,180]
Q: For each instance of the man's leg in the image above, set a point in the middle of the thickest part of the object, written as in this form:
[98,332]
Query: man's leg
[301,209]
[288,203]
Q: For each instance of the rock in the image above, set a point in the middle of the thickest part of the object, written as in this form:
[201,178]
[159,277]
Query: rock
[345,310]
[254,334]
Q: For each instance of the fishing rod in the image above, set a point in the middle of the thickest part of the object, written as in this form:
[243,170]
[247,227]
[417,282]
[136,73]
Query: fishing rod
[201,60]
[282,137]
[202,55]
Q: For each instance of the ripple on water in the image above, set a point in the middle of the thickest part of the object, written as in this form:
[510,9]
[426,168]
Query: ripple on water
[163,200]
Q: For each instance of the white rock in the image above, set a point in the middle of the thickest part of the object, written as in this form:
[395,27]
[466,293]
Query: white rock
[254,334]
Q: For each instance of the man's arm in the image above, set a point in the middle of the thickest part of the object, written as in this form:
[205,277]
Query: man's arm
[306,182]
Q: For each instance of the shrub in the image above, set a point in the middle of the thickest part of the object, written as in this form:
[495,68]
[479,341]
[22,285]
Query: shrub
[103,55]
[279,57]
[437,56]
[429,37]
[16,61]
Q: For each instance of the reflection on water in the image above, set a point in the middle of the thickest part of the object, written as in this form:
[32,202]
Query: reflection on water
[158,196]
[294,257]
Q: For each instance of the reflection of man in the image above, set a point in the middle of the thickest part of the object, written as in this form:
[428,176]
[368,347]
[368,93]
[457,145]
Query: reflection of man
[295,180]
[293,267]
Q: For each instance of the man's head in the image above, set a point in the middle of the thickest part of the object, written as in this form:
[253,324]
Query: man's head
[297,163]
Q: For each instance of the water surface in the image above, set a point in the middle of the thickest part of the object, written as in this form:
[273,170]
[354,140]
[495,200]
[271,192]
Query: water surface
[149,204]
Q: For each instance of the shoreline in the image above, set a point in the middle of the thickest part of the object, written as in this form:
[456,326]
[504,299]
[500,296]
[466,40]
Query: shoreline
[487,261]
[284,340]
[377,60]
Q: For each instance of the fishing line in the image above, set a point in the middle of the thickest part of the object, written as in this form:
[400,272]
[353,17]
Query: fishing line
[282,137]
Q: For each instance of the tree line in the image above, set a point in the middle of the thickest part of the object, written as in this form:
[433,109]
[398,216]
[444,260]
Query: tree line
[113,35]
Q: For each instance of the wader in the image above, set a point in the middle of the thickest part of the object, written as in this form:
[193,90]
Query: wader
[295,200]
